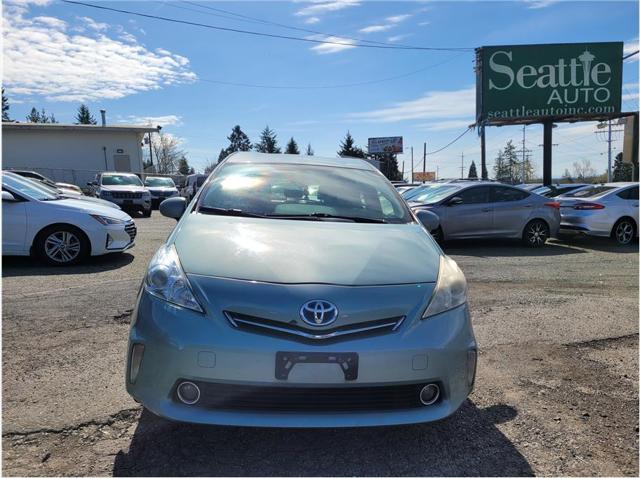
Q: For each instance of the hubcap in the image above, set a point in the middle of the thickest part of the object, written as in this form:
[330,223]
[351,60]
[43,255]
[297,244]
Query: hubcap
[537,233]
[62,246]
[624,232]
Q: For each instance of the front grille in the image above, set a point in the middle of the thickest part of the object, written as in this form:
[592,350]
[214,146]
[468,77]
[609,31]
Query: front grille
[126,195]
[296,332]
[161,194]
[131,229]
[224,396]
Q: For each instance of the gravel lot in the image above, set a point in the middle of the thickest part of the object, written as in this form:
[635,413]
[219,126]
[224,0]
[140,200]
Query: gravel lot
[556,392]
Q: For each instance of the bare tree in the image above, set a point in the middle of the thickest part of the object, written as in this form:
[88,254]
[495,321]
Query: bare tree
[167,153]
[211,166]
[583,170]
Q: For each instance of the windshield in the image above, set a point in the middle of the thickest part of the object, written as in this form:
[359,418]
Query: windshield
[589,192]
[121,180]
[434,193]
[29,188]
[296,190]
[159,183]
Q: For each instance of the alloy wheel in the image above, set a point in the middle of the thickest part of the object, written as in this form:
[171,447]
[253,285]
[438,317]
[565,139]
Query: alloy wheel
[624,232]
[62,246]
[537,234]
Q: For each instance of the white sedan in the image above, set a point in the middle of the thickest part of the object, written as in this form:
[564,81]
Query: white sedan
[59,231]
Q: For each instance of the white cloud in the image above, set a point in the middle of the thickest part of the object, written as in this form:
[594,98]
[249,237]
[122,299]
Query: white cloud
[423,24]
[91,23]
[433,105]
[631,46]
[340,44]
[630,92]
[166,120]
[42,58]
[312,20]
[536,4]
[375,28]
[397,38]
[399,18]
[315,8]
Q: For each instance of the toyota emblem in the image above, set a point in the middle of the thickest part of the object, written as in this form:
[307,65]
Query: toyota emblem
[319,313]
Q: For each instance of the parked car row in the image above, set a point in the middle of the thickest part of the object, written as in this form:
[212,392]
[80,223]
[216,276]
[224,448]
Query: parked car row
[474,209]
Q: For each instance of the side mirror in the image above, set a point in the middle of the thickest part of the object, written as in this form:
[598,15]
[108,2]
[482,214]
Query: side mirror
[7,196]
[454,201]
[173,207]
[429,220]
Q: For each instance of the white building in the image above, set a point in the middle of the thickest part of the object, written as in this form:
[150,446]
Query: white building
[73,153]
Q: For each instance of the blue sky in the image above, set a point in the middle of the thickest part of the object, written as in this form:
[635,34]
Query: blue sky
[57,55]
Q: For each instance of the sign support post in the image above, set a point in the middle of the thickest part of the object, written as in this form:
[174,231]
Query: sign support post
[483,154]
[546,152]
[411,164]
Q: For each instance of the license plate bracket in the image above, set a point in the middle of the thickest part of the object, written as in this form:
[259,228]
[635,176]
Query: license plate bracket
[348,362]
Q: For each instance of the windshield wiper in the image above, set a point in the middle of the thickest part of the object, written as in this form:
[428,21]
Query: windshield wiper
[318,216]
[227,212]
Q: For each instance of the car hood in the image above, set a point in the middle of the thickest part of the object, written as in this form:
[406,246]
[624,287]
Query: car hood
[298,252]
[103,202]
[91,207]
[161,189]
[133,189]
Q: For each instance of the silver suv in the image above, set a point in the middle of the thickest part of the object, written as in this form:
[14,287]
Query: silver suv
[124,189]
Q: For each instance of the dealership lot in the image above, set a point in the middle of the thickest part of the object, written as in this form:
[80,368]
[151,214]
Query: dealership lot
[556,391]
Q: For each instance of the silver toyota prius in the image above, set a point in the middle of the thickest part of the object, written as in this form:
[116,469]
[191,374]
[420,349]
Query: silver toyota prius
[300,292]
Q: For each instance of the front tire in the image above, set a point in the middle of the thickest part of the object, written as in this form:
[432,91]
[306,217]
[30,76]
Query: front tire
[536,233]
[624,231]
[62,245]
[147,212]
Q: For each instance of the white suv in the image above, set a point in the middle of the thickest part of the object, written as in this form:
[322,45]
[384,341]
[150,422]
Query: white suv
[124,189]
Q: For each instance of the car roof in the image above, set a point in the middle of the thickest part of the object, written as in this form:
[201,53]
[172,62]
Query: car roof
[619,185]
[265,158]
[113,173]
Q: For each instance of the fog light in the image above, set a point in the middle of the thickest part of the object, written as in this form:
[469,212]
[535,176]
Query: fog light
[472,360]
[109,240]
[188,392]
[135,361]
[429,394]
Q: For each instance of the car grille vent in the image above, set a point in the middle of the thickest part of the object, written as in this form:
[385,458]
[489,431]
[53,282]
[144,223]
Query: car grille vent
[295,332]
[126,195]
[131,229]
[311,399]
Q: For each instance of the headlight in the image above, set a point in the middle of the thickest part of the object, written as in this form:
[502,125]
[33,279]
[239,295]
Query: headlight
[166,280]
[451,288]
[104,220]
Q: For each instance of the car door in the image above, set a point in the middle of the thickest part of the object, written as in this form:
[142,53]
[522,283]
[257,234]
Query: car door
[629,204]
[14,225]
[472,217]
[511,210]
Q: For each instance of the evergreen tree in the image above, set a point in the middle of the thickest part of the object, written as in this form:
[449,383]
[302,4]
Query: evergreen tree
[473,173]
[500,168]
[292,147]
[84,116]
[223,154]
[40,117]
[389,166]
[268,142]
[238,140]
[348,148]
[210,167]
[5,107]
[621,171]
[183,166]
[309,150]
[513,166]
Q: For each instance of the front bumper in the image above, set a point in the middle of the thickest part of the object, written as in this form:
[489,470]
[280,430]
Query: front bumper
[138,204]
[184,345]
[113,238]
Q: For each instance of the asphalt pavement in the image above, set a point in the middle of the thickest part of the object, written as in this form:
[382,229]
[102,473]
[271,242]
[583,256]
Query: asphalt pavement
[556,391]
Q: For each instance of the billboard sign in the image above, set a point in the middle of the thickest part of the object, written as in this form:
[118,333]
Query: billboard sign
[390,144]
[548,81]
[426,176]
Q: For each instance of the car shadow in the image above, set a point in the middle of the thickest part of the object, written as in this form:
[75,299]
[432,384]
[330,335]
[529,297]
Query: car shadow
[601,244]
[17,266]
[467,443]
[506,248]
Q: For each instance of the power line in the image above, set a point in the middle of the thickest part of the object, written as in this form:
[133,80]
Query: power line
[282,25]
[630,55]
[343,85]
[449,144]
[260,34]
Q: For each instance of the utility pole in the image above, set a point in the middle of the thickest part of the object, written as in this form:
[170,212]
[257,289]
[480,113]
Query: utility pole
[424,162]
[437,172]
[403,170]
[411,164]
[462,168]
[150,152]
[609,139]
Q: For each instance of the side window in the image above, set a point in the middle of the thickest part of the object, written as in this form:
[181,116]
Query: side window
[475,195]
[502,194]
[629,194]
